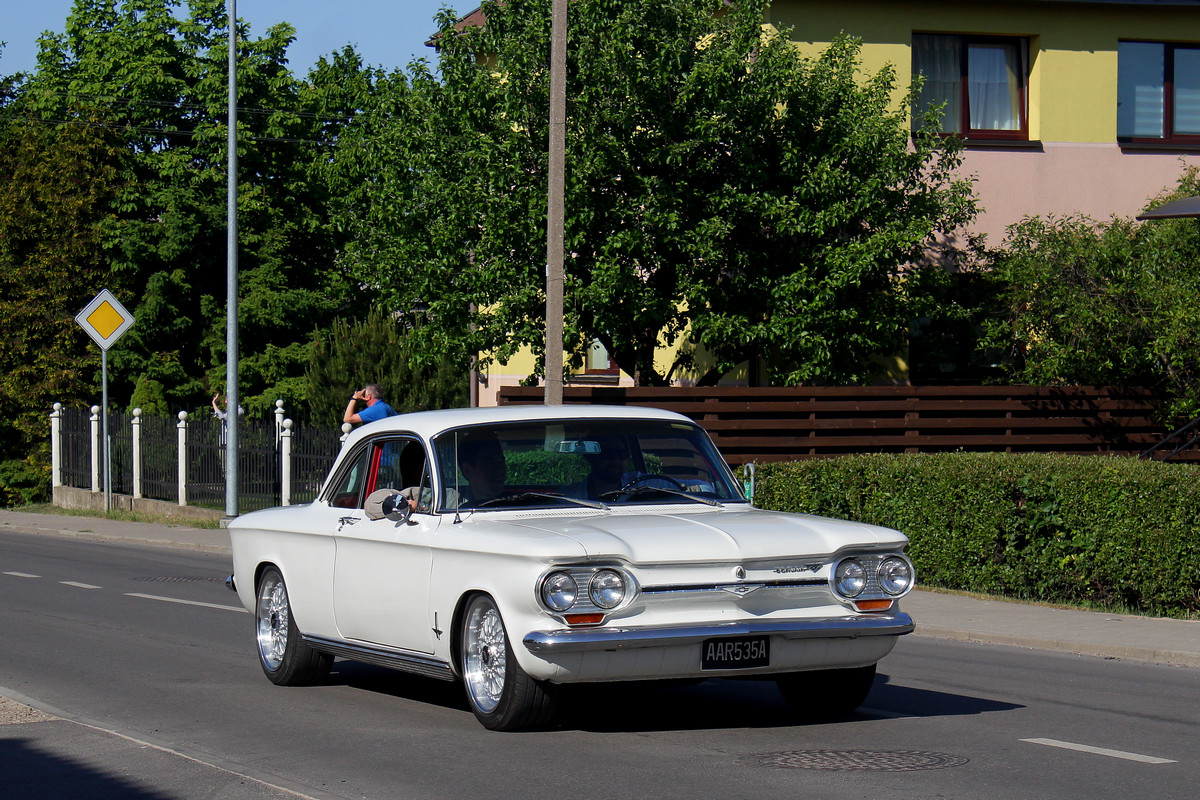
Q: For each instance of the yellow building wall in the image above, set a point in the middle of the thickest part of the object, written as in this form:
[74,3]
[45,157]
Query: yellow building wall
[1073,47]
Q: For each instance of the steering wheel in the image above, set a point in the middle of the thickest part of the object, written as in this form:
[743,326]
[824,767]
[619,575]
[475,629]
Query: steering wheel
[640,479]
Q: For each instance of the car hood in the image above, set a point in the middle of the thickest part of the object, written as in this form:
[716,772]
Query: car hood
[655,538]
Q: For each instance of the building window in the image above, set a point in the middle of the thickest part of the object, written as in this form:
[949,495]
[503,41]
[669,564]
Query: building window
[1158,92]
[598,360]
[980,80]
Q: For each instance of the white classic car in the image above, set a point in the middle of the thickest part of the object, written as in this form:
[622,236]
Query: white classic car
[520,548]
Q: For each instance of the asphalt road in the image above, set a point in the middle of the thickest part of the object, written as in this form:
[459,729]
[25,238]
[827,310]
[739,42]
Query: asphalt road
[147,664]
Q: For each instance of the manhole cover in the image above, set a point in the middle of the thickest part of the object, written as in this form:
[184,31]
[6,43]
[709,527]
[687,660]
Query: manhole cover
[846,760]
[177,579]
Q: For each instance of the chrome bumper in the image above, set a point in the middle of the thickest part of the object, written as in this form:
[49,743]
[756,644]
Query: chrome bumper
[617,638]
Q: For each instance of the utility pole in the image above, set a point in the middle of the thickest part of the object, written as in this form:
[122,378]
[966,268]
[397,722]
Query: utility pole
[231,283]
[555,213]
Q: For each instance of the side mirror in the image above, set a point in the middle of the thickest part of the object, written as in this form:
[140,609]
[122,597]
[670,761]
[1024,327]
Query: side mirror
[389,504]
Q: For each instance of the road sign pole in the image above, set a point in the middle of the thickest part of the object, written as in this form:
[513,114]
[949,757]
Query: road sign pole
[104,430]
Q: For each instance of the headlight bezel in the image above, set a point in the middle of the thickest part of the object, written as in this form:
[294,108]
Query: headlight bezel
[875,581]
[591,597]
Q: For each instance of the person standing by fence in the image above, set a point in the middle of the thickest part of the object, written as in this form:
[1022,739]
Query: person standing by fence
[372,395]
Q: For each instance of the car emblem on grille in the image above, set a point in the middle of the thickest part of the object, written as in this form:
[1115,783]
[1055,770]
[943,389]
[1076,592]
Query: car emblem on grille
[798,568]
[741,589]
[739,573]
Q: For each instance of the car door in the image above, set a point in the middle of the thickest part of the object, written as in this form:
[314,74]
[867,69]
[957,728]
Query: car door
[381,567]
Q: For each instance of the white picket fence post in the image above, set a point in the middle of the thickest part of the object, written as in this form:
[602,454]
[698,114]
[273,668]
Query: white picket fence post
[95,421]
[135,426]
[56,446]
[285,462]
[182,437]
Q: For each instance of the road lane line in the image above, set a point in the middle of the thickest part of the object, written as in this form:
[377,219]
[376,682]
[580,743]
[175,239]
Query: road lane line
[22,575]
[1101,751]
[238,609]
[80,585]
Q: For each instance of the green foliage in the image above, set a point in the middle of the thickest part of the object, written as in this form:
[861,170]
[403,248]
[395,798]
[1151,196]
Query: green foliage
[715,179]
[56,189]
[154,85]
[377,350]
[1102,303]
[1075,529]
[23,482]
[540,467]
[148,396]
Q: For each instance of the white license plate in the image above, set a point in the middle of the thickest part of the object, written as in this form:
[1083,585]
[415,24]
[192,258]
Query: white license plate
[736,653]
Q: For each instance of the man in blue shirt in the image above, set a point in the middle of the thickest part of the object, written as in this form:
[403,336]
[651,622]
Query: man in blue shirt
[376,408]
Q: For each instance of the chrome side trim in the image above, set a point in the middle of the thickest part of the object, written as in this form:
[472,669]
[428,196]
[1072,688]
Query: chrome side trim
[616,638]
[403,660]
[696,588]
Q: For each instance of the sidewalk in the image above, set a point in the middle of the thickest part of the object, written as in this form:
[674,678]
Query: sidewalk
[944,616]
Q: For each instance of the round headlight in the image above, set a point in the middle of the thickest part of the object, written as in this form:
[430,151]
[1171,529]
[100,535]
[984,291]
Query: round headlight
[559,591]
[607,589]
[895,575]
[850,578]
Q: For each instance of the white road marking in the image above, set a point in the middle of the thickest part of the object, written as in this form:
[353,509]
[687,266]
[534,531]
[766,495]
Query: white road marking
[80,585]
[1101,751]
[22,575]
[238,609]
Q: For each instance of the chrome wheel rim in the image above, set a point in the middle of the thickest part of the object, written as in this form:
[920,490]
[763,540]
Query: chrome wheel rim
[485,649]
[273,621]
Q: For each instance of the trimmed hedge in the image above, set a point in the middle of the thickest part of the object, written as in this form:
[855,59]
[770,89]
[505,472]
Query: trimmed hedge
[1116,532]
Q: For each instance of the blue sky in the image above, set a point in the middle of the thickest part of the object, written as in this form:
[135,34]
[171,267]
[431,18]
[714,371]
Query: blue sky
[387,33]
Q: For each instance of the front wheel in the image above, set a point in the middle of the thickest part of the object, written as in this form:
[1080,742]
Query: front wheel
[285,658]
[827,693]
[502,696]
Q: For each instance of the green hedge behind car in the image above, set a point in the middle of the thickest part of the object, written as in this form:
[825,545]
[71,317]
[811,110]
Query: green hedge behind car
[1116,532]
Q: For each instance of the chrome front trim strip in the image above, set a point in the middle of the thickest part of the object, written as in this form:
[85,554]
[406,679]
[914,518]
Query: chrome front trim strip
[404,660]
[617,638]
[700,588]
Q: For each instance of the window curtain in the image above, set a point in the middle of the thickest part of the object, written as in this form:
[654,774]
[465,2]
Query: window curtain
[1140,102]
[938,58]
[1187,91]
[993,87]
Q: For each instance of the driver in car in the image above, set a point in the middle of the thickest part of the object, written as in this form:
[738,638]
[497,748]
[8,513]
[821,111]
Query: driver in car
[481,460]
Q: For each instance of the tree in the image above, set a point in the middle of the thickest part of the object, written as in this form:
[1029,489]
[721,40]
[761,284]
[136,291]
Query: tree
[718,182]
[56,187]
[1113,303]
[377,349]
[158,83]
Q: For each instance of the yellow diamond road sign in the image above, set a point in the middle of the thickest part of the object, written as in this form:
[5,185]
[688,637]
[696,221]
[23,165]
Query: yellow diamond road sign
[104,319]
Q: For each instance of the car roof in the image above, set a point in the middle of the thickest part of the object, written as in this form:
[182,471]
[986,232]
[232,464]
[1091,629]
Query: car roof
[430,423]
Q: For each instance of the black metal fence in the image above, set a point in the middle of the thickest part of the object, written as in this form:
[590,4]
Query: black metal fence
[260,454]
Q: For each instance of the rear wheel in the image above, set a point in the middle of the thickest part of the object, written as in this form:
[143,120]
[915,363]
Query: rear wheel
[828,693]
[502,696]
[285,658]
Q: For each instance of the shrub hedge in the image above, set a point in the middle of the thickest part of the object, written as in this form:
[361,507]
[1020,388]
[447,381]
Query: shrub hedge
[1116,532]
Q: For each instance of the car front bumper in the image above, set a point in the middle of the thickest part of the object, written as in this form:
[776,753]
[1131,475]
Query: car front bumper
[550,643]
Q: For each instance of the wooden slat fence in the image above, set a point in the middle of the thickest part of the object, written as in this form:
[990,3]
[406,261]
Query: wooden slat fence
[784,424]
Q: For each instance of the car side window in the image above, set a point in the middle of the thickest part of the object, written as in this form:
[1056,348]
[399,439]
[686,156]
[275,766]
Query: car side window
[402,466]
[347,491]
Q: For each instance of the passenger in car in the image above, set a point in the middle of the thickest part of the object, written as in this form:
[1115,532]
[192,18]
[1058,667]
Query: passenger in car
[608,472]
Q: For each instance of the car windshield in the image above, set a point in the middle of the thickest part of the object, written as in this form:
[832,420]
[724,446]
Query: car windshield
[595,463]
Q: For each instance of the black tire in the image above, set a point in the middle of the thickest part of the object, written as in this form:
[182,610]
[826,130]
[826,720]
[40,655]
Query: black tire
[828,693]
[285,658]
[502,695]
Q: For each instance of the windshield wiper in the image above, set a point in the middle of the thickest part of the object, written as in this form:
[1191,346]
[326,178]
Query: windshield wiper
[659,490]
[517,497]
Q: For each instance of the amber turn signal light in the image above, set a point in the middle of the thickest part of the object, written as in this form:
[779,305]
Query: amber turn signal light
[873,605]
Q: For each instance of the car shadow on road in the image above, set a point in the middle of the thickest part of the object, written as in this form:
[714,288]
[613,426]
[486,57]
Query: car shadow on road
[656,706]
[648,706]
